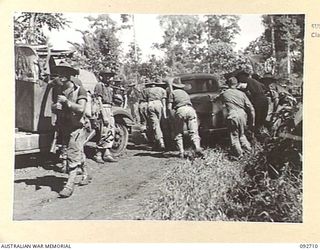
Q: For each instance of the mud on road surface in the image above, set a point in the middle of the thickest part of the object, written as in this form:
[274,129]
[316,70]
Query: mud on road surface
[117,191]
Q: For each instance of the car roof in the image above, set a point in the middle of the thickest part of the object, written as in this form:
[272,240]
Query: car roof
[194,76]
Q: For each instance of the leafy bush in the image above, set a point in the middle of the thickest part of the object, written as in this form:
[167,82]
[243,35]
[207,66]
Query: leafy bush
[273,191]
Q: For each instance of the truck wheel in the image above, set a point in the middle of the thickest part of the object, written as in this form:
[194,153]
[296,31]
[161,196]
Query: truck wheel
[121,137]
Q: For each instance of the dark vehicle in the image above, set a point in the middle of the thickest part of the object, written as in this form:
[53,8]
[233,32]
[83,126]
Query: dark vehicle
[34,126]
[203,90]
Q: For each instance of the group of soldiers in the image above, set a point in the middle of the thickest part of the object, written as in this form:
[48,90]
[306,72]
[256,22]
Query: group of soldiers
[245,100]
[167,100]
[247,105]
[72,104]
[158,100]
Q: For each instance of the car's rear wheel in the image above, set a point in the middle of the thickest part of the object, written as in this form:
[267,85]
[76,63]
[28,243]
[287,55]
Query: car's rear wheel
[121,138]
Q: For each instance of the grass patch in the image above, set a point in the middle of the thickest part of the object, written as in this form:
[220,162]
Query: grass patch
[217,188]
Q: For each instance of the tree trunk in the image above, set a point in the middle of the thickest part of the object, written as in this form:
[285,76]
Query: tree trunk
[273,47]
[32,25]
[288,59]
[135,49]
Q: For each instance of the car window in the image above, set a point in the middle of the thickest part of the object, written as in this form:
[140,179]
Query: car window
[200,85]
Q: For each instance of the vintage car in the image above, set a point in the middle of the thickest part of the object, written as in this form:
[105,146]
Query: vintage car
[34,128]
[203,90]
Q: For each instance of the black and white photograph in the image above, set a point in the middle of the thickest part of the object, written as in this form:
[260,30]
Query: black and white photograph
[161,117]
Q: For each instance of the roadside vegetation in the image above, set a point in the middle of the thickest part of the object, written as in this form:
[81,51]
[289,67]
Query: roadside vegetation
[265,185]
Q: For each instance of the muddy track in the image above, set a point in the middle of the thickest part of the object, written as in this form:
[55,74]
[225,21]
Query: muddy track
[117,191]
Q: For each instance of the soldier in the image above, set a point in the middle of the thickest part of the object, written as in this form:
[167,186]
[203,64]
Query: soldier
[133,100]
[74,126]
[105,123]
[119,94]
[156,98]
[238,105]
[143,114]
[180,102]
[143,108]
[257,97]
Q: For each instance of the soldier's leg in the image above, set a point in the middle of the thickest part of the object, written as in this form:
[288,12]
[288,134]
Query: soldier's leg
[99,142]
[109,137]
[159,134]
[86,177]
[192,125]
[155,115]
[143,113]
[136,112]
[245,144]
[132,111]
[74,158]
[178,138]
[234,137]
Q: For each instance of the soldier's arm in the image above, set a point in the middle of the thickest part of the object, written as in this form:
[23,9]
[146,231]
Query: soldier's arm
[163,100]
[78,106]
[170,100]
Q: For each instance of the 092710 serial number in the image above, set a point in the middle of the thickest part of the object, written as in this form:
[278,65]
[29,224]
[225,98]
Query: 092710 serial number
[306,246]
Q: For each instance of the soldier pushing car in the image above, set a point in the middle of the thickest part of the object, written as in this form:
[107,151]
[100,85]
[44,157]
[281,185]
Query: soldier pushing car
[183,113]
[156,98]
[239,108]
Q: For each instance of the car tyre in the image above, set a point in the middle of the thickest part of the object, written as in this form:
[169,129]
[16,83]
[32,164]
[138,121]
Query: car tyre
[121,138]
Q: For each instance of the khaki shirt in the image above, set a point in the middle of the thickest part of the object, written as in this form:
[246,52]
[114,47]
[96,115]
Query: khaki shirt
[237,103]
[155,93]
[179,98]
[105,92]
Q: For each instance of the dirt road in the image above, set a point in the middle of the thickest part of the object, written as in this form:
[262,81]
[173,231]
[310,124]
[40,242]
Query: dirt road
[116,192]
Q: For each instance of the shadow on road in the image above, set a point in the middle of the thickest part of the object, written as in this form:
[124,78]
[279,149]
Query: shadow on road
[32,160]
[138,147]
[157,154]
[55,183]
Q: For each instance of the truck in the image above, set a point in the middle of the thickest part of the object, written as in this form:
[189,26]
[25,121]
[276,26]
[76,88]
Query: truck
[34,126]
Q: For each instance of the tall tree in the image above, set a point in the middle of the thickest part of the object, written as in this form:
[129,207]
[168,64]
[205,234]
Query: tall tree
[222,28]
[220,56]
[131,62]
[101,47]
[199,43]
[154,68]
[286,34]
[28,26]
[182,37]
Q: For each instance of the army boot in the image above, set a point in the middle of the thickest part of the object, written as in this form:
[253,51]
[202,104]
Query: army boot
[107,157]
[86,178]
[161,145]
[98,157]
[198,149]
[69,187]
